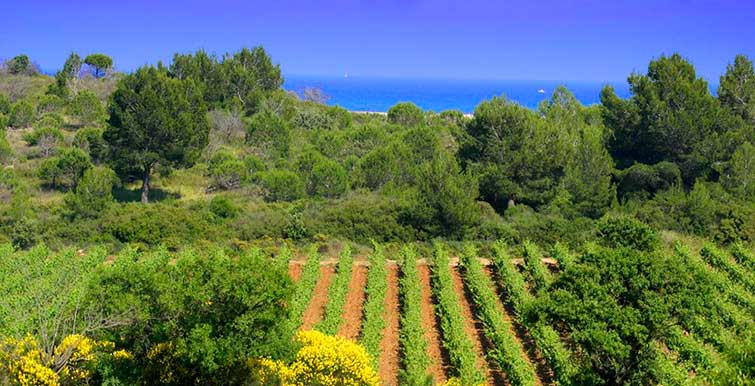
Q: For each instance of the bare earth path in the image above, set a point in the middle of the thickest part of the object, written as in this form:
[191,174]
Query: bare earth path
[388,368]
[438,359]
[474,330]
[352,311]
[314,311]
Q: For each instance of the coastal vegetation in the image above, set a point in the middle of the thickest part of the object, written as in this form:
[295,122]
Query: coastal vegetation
[189,223]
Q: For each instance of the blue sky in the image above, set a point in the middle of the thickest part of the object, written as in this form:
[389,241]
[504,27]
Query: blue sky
[587,40]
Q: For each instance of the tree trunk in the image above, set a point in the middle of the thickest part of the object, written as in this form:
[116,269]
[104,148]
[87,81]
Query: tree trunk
[145,187]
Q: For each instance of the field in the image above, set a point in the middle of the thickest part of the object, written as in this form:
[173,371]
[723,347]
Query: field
[444,316]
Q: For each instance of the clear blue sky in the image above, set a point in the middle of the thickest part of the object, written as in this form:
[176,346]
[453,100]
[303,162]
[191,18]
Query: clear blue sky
[497,39]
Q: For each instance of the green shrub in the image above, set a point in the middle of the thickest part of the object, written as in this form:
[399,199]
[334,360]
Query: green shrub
[48,103]
[157,224]
[226,171]
[222,207]
[44,134]
[281,185]
[22,114]
[87,108]
[5,105]
[269,134]
[50,120]
[91,141]
[406,114]
[94,193]
[626,232]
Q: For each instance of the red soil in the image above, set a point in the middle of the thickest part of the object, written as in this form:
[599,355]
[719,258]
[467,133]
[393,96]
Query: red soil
[352,311]
[389,364]
[294,270]
[474,330]
[316,306]
[438,361]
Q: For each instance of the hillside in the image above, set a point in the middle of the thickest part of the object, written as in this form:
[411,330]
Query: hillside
[192,222]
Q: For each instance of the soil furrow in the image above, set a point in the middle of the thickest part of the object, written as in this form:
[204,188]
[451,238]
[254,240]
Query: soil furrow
[438,357]
[352,310]
[316,307]
[389,356]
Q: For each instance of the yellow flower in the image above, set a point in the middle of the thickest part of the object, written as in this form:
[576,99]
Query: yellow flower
[322,360]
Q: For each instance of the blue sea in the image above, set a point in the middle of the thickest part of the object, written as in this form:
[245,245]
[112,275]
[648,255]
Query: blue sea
[379,94]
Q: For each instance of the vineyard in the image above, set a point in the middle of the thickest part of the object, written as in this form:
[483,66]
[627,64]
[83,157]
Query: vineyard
[478,318]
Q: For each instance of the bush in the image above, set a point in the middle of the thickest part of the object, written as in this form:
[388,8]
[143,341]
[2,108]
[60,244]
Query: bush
[22,114]
[269,134]
[49,103]
[628,232]
[322,360]
[5,105]
[282,185]
[91,141]
[5,149]
[642,180]
[222,207]
[226,171]
[50,120]
[406,114]
[93,194]
[87,108]
[196,316]
[46,138]
[157,224]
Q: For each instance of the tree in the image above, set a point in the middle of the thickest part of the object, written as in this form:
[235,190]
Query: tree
[46,138]
[21,65]
[72,66]
[87,108]
[406,114]
[269,134]
[72,163]
[739,177]
[671,116]
[155,120]
[519,156]
[736,90]
[615,304]
[282,185]
[100,62]
[446,199]
[226,170]
[93,194]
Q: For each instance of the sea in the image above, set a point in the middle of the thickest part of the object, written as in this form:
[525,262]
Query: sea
[374,94]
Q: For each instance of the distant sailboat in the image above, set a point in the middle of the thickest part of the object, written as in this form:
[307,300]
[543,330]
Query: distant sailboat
[541,91]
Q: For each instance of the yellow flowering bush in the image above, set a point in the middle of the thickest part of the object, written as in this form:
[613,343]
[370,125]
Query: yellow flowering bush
[22,362]
[75,354]
[322,360]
